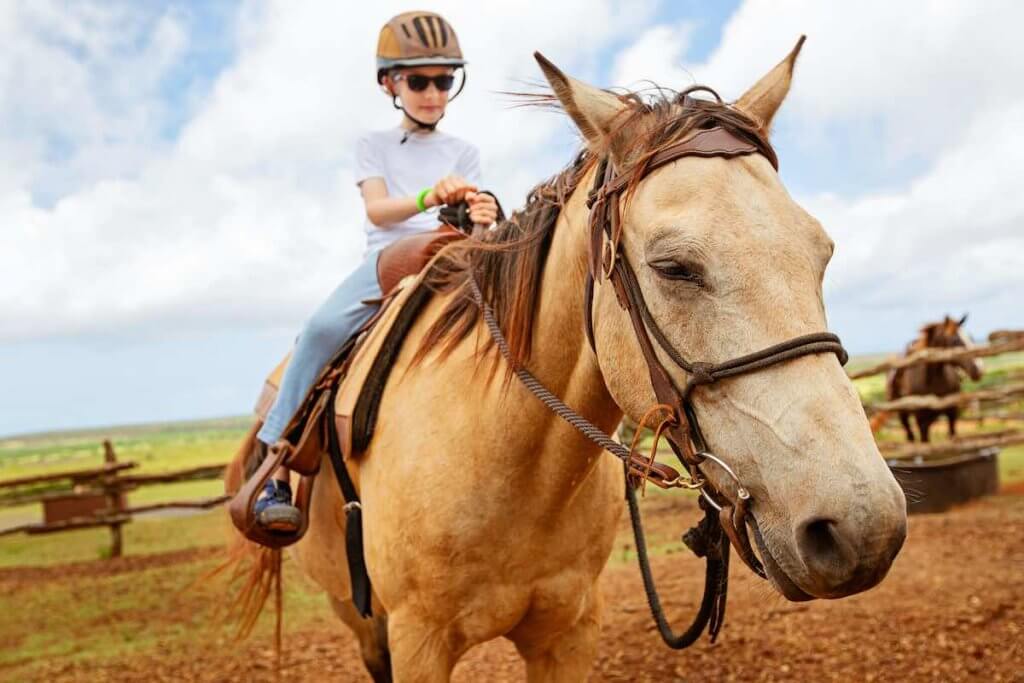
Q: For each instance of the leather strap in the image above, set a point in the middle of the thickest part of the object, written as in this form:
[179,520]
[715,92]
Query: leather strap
[710,142]
[359,577]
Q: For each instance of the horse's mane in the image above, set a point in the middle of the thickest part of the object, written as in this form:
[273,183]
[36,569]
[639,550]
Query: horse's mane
[508,260]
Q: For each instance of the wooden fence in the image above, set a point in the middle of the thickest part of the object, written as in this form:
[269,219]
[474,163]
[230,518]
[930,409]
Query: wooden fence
[989,403]
[1000,342]
[95,497]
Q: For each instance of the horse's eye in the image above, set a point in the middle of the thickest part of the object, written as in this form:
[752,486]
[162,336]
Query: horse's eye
[674,270]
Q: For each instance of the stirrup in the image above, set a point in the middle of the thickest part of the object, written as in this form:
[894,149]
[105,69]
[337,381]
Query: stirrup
[242,506]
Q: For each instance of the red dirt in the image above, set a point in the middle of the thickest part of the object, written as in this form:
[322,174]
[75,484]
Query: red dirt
[950,610]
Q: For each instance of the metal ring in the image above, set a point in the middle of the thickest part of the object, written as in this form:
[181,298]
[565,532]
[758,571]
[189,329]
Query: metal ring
[710,500]
[740,490]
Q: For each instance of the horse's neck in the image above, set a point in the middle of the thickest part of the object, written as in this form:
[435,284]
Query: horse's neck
[561,357]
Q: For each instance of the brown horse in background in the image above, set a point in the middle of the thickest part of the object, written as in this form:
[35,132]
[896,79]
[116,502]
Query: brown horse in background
[937,379]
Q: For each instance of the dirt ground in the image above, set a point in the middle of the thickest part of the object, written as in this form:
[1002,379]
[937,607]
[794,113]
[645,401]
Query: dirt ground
[950,610]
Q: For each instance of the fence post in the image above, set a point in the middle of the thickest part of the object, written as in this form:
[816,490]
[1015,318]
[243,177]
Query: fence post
[113,492]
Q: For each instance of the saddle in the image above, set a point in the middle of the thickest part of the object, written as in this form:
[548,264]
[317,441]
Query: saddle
[340,411]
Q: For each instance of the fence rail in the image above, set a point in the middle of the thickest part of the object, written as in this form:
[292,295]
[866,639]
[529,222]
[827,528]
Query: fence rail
[95,497]
[963,398]
[1007,343]
[79,476]
[959,446]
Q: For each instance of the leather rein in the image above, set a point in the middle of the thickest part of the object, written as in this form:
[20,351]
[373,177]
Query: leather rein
[679,424]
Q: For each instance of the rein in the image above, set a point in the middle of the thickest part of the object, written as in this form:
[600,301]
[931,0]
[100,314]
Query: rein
[724,519]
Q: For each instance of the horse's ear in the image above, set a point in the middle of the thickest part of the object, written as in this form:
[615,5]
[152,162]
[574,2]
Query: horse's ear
[763,100]
[962,321]
[594,111]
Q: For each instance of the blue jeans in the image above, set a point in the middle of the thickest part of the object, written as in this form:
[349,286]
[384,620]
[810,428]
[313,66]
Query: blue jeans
[324,333]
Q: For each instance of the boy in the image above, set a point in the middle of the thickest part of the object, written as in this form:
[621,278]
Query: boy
[401,172]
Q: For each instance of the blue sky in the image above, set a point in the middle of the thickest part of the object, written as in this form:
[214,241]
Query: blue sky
[178,191]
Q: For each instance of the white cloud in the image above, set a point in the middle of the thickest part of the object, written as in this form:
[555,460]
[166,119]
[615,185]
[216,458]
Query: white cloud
[953,238]
[657,57]
[933,82]
[249,214]
[919,69]
[77,92]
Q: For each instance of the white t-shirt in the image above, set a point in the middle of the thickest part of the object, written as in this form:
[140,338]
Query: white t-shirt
[407,169]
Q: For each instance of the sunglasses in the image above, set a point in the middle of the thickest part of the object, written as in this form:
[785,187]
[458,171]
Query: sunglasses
[419,83]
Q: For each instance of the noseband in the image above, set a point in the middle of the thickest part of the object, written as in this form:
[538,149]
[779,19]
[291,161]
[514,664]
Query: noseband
[608,261]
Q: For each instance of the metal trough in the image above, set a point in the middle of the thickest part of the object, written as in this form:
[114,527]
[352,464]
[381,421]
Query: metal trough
[936,486]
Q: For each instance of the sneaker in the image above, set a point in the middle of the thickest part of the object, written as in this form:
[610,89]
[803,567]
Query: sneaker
[274,509]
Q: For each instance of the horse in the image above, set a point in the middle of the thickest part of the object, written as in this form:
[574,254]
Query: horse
[937,379]
[486,516]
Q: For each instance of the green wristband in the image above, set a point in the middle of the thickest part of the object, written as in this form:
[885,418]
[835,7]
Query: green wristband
[420,203]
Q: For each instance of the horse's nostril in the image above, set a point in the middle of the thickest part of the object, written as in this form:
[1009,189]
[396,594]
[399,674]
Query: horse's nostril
[817,538]
[824,550]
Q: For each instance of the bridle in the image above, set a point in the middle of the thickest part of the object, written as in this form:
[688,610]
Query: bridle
[608,261]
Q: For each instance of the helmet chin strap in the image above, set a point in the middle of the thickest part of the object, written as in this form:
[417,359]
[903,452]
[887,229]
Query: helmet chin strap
[420,125]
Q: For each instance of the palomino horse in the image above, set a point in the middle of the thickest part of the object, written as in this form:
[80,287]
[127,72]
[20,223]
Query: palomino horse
[486,516]
[938,379]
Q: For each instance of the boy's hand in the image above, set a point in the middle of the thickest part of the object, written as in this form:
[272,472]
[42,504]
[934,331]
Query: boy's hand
[483,208]
[451,189]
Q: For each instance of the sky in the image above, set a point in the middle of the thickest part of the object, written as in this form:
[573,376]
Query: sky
[176,190]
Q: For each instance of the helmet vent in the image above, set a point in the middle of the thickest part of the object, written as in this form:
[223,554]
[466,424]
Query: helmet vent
[417,24]
[433,31]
